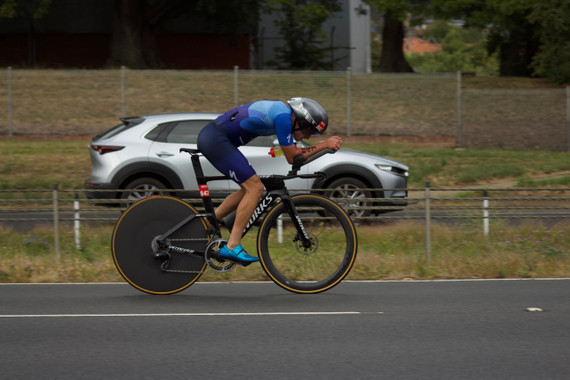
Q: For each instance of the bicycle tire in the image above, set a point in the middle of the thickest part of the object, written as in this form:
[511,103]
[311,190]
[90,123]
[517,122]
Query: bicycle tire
[132,238]
[322,266]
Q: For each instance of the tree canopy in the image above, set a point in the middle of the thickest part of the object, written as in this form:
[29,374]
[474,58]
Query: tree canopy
[299,22]
[531,36]
[528,37]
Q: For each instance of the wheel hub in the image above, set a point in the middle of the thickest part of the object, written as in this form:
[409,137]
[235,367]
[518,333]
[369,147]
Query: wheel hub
[307,251]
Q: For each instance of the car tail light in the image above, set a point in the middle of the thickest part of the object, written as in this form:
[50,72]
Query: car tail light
[102,149]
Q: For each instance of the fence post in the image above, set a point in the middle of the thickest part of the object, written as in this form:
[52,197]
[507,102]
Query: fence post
[123,93]
[428,223]
[485,213]
[56,223]
[348,80]
[10,128]
[236,86]
[568,116]
[459,116]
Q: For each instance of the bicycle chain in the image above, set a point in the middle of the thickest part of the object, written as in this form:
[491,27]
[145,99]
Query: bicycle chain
[165,263]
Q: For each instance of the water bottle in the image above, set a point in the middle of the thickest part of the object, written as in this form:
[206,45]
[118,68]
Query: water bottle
[275,151]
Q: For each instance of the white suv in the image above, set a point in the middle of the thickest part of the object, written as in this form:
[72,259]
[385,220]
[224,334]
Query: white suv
[143,154]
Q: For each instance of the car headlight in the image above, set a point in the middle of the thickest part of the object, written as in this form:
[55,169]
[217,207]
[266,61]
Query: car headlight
[392,169]
[386,168]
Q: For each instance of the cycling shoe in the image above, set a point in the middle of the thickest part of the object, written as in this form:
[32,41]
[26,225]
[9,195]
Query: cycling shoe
[237,255]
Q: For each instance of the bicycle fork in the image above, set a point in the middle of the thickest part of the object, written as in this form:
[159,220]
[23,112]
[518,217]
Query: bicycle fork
[302,234]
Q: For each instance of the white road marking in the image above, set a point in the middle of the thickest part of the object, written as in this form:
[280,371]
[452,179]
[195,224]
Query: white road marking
[188,314]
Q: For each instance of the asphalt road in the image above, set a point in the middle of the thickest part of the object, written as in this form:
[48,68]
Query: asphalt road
[358,330]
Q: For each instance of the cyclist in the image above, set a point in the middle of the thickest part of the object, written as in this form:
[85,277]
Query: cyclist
[218,141]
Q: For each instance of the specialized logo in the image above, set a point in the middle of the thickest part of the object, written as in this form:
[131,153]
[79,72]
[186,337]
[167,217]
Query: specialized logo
[233,176]
[302,227]
[321,127]
[204,191]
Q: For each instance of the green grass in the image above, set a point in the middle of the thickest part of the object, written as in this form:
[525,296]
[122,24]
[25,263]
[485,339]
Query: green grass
[390,250]
[40,163]
[386,251]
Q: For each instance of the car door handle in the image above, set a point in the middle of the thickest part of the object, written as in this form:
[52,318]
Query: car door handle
[164,154]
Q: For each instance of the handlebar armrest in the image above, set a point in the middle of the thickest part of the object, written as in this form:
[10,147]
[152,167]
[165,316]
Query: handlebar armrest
[300,160]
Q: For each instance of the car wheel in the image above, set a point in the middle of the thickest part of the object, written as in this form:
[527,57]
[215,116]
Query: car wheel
[351,195]
[142,188]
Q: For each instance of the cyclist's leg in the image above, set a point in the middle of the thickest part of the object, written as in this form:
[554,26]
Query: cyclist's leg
[217,147]
[252,191]
[229,204]
[307,269]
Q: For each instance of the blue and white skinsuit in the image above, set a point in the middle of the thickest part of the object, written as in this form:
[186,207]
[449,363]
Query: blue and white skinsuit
[220,139]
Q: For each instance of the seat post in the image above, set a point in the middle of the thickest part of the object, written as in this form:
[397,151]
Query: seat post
[202,186]
[198,169]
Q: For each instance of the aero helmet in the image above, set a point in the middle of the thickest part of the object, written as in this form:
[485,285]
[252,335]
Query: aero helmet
[309,114]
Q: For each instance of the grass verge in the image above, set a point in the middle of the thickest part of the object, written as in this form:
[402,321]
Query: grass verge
[39,163]
[393,250]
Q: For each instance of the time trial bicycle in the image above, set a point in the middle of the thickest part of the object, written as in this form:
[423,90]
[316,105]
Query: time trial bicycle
[306,243]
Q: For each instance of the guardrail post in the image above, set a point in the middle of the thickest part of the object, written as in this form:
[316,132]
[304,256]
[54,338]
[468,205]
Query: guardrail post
[56,223]
[428,222]
[485,213]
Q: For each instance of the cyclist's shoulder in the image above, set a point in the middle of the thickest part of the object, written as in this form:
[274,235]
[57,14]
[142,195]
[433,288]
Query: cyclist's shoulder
[269,107]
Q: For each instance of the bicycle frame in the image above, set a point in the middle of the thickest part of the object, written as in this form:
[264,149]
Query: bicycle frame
[276,189]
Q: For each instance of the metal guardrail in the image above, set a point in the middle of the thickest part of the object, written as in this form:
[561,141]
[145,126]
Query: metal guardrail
[25,209]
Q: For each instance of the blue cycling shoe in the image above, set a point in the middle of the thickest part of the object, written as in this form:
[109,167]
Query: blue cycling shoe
[237,255]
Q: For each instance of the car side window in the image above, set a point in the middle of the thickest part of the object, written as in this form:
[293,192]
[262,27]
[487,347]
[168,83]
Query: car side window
[186,131]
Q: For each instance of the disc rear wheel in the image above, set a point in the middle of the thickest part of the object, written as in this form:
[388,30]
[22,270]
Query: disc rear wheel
[134,244]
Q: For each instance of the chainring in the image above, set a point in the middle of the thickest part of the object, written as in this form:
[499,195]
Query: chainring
[213,259]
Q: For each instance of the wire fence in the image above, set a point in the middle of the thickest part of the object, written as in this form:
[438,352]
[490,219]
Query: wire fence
[69,210]
[88,102]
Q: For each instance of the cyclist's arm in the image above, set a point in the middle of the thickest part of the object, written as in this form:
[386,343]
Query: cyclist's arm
[291,151]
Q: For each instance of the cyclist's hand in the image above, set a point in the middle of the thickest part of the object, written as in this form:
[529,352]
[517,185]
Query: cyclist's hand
[334,143]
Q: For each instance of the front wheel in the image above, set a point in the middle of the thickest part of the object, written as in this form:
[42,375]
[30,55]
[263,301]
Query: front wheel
[308,269]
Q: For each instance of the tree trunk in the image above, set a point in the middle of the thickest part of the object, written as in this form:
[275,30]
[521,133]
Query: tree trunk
[392,59]
[133,43]
[517,52]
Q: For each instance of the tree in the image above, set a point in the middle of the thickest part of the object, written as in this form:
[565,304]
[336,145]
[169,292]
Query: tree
[300,24]
[463,49]
[133,42]
[511,33]
[29,10]
[136,24]
[552,18]
[392,58]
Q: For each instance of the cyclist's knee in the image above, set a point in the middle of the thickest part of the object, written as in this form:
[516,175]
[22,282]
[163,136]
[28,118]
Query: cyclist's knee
[253,186]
